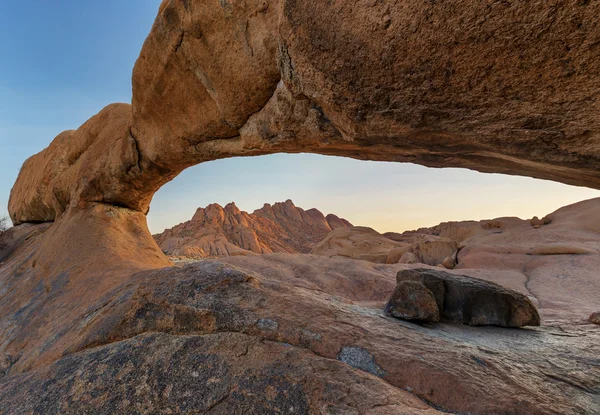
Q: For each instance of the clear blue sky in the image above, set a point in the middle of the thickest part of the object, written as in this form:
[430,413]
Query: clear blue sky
[63,60]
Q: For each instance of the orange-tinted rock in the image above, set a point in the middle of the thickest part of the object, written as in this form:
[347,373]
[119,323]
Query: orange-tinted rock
[214,321]
[407,258]
[203,70]
[92,164]
[228,79]
[59,316]
[216,231]
[358,242]
[488,83]
[536,222]
[506,87]
[449,262]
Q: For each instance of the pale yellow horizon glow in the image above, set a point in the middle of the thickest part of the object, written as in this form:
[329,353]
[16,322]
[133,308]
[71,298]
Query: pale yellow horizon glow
[388,197]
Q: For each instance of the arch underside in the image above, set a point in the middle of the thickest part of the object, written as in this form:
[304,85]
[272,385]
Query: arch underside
[504,88]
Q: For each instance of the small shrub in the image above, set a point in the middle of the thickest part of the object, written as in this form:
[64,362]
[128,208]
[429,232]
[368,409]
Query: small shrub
[4,224]
[3,227]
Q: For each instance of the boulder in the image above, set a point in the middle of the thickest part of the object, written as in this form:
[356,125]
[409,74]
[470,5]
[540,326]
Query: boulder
[449,262]
[408,258]
[595,318]
[411,300]
[473,301]
[359,242]
[435,250]
[536,222]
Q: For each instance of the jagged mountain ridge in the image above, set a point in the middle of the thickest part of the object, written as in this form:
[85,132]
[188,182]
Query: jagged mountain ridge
[217,231]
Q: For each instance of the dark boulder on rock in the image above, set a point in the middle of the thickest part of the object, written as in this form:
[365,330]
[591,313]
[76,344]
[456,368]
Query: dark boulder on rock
[595,318]
[470,300]
[411,300]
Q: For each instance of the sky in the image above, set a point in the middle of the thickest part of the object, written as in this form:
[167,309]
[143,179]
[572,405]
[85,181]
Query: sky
[64,60]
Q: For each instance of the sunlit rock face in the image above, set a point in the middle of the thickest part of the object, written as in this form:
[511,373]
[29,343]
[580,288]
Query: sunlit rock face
[91,313]
[217,231]
[508,88]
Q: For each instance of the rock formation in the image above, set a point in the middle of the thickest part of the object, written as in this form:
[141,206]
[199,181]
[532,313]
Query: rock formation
[94,320]
[242,338]
[411,300]
[215,231]
[506,88]
[508,251]
[459,298]
[367,244]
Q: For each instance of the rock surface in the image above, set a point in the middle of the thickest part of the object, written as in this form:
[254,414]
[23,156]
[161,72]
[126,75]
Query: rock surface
[449,262]
[464,299]
[215,231]
[540,263]
[221,373]
[243,340]
[90,303]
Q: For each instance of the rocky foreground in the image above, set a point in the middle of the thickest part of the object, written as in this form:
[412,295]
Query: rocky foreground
[294,333]
[95,320]
[215,231]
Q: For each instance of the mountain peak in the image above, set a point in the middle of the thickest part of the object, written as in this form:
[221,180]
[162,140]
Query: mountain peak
[232,208]
[218,231]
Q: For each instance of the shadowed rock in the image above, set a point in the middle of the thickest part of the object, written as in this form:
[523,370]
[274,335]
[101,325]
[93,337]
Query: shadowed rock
[472,301]
[411,300]
[225,373]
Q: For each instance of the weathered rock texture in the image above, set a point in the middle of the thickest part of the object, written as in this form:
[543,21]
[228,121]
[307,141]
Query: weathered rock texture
[508,87]
[241,341]
[215,231]
[504,87]
[459,298]
[539,262]
[90,332]
[411,300]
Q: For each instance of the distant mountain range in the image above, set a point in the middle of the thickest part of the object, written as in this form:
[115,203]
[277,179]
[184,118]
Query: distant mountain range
[217,231]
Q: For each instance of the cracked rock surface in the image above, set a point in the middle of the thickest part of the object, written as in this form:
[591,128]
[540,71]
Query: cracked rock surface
[93,319]
[242,340]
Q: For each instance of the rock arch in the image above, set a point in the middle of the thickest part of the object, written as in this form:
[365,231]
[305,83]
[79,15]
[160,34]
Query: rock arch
[508,87]
[492,86]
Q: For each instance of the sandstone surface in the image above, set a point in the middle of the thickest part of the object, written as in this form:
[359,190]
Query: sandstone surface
[215,231]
